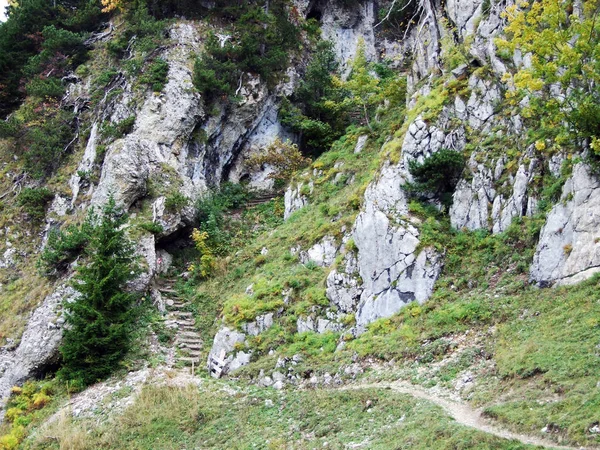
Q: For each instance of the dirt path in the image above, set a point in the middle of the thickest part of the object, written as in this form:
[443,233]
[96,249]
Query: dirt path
[461,412]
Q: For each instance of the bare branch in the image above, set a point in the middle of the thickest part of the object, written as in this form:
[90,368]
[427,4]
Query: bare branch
[70,143]
[237,91]
[387,16]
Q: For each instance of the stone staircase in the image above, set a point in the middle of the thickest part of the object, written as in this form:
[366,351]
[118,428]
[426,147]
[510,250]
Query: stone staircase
[260,199]
[188,342]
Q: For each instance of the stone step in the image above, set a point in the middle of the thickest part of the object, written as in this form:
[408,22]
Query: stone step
[188,334]
[182,314]
[167,290]
[188,360]
[177,318]
[182,325]
[190,340]
[260,199]
[183,321]
[191,353]
[176,306]
[185,345]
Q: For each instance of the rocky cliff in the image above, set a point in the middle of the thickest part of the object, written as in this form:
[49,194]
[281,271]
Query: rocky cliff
[458,105]
[378,264]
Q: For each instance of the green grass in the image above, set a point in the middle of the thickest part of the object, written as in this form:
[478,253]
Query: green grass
[213,417]
[534,351]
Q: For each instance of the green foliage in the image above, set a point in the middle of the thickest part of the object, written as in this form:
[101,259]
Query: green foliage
[105,77]
[314,111]
[564,56]
[119,129]
[44,139]
[454,54]
[101,318]
[206,257]
[50,87]
[176,201]
[41,40]
[214,78]
[313,344]
[151,227]
[61,50]
[396,16]
[9,127]
[63,247]
[34,201]
[552,187]
[143,32]
[242,308]
[324,105]
[438,174]
[155,75]
[284,157]
[23,405]
[364,88]
[211,215]
[260,43]
[205,416]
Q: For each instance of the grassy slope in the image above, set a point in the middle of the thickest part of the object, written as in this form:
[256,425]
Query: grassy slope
[533,352]
[515,337]
[223,416]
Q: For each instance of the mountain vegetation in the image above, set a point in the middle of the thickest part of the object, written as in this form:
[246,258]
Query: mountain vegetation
[282,224]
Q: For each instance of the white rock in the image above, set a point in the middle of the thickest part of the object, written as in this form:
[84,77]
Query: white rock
[569,247]
[360,143]
[293,200]
[322,253]
[259,325]
[223,348]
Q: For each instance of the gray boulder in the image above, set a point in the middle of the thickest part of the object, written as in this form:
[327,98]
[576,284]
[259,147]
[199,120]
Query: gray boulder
[224,350]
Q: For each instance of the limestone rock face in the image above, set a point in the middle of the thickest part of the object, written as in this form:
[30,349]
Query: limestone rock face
[346,27]
[161,125]
[344,287]
[489,195]
[569,247]
[519,204]
[464,14]
[411,279]
[317,325]
[260,324]
[393,271]
[39,344]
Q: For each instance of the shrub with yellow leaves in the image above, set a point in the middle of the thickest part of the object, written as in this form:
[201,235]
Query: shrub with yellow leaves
[558,85]
[110,5]
[207,259]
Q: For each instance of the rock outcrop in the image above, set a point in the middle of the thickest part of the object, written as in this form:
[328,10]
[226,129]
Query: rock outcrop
[224,350]
[39,344]
[393,269]
[348,27]
[294,199]
[569,247]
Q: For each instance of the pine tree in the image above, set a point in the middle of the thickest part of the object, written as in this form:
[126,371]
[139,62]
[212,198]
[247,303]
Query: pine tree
[100,320]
